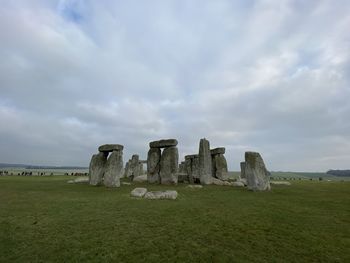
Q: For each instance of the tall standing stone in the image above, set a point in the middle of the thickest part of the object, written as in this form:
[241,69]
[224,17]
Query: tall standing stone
[195,169]
[205,162]
[256,172]
[242,164]
[188,168]
[134,166]
[169,165]
[220,164]
[97,168]
[153,165]
[114,169]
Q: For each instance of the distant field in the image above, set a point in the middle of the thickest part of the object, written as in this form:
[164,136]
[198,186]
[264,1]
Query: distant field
[232,175]
[44,219]
[16,171]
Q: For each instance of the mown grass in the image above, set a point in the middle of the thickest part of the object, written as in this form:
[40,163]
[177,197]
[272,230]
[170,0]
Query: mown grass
[44,219]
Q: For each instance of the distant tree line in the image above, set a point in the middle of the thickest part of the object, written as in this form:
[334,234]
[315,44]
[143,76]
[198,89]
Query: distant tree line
[343,173]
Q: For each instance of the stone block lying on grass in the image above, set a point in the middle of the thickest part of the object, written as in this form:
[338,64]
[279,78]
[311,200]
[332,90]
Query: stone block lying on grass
[216,181]
[138,192]
[79,180]
[238,183]
[168,194]
[280,183]
[195,186]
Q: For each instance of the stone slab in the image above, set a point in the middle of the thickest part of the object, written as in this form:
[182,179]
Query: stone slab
[110,147]
[138,192]
[168,194]
[219,150]
[163,143]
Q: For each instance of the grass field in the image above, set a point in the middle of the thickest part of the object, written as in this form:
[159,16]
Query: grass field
[44,219]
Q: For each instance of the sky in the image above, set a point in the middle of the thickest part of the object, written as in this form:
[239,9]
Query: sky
[267,76]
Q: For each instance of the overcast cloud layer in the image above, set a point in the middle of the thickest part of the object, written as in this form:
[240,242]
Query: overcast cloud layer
[268,76]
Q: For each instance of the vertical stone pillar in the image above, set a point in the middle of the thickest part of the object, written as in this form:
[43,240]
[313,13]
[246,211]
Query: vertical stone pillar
[205,162]
[221,171]
[256,172]
[153,165]
[242,164]
[114,169]
[169,165]
[97,168]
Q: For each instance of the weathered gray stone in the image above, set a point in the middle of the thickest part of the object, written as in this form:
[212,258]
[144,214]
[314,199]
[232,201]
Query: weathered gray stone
[79,180]
[163,143]
[256,172]
[126,170]
[243,181]
[196,186]
[182,167]
[114,169]
[168,194]
[205,162]
[169,165]
[133,167]
[153,165]
[138,192]
[141,171]
[110,147]
[188,169]
[140,179]
[220,167]
[219,150]
[195,169]
[182,177]
[280,183]
[216,181]
[242,164]
[238,183]
[97,168]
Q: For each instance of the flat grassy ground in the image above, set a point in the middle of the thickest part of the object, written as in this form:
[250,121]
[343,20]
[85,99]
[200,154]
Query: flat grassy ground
[44,219]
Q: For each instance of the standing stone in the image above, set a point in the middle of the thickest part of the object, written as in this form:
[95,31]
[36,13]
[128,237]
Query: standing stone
[220,165]
[188,168]
[195,169]
[114,169]
[141,172]
[169,165]
[153,165]
[242,170]
[126,170]
[182,167]
[135,166]
[97,168]
[256,172]
[205,162]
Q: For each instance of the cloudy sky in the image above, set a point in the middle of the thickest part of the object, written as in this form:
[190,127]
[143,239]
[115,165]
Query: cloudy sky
[268,76]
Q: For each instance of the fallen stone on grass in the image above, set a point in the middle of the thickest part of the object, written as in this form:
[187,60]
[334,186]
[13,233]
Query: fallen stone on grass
[141,178]
[238,183]
[243,181]
[138,192]
[280,183]
[195,186]
[80,180]
[126,183]
[168,194]
[216,181]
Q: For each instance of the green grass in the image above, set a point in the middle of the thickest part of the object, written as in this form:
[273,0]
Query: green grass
[44,219]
